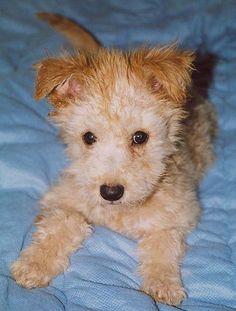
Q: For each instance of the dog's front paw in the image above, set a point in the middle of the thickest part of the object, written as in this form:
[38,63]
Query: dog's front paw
[165,291]
[33,270]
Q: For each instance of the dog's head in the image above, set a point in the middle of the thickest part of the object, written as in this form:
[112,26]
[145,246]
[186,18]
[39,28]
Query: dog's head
[120,115]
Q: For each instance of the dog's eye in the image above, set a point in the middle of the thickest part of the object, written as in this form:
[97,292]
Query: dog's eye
[89,138]
[139,138]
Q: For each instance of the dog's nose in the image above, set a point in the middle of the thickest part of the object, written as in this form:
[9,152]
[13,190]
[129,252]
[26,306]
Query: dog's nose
[112,193]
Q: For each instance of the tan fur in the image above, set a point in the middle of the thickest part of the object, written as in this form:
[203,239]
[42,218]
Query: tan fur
[80,37]
[114,94]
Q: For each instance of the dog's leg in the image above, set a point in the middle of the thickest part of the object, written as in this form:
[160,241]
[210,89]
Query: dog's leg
[160,254]
[58,234]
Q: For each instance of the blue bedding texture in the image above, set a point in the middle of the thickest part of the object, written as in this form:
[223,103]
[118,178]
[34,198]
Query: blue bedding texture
[102,274]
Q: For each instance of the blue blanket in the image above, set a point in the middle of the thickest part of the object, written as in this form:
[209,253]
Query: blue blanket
[102,275]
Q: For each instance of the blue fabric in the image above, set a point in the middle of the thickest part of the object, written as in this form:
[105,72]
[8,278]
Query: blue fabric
[102,275]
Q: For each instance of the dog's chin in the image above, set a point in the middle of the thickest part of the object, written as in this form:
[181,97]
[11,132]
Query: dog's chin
[123,203]
[112,203]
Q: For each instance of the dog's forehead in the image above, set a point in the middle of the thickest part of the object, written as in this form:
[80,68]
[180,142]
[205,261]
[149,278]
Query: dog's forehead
[122,98]
[120,103]
[125,109]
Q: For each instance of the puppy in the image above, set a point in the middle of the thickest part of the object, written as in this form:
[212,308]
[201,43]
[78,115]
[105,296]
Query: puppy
[139,140]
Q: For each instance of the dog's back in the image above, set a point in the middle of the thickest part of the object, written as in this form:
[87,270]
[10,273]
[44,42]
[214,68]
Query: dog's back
[201,129]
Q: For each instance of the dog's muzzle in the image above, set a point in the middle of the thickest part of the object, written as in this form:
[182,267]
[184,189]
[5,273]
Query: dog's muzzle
[111,193]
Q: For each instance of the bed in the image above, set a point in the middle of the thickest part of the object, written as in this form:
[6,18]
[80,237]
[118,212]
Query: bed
[101,275]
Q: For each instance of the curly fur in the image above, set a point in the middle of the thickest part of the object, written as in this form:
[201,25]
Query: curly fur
[114,94]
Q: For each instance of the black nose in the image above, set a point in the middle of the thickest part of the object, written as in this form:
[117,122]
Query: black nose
[112,193]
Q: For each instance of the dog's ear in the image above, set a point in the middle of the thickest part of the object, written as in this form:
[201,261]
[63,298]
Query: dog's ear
[168,72]
[57,79]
